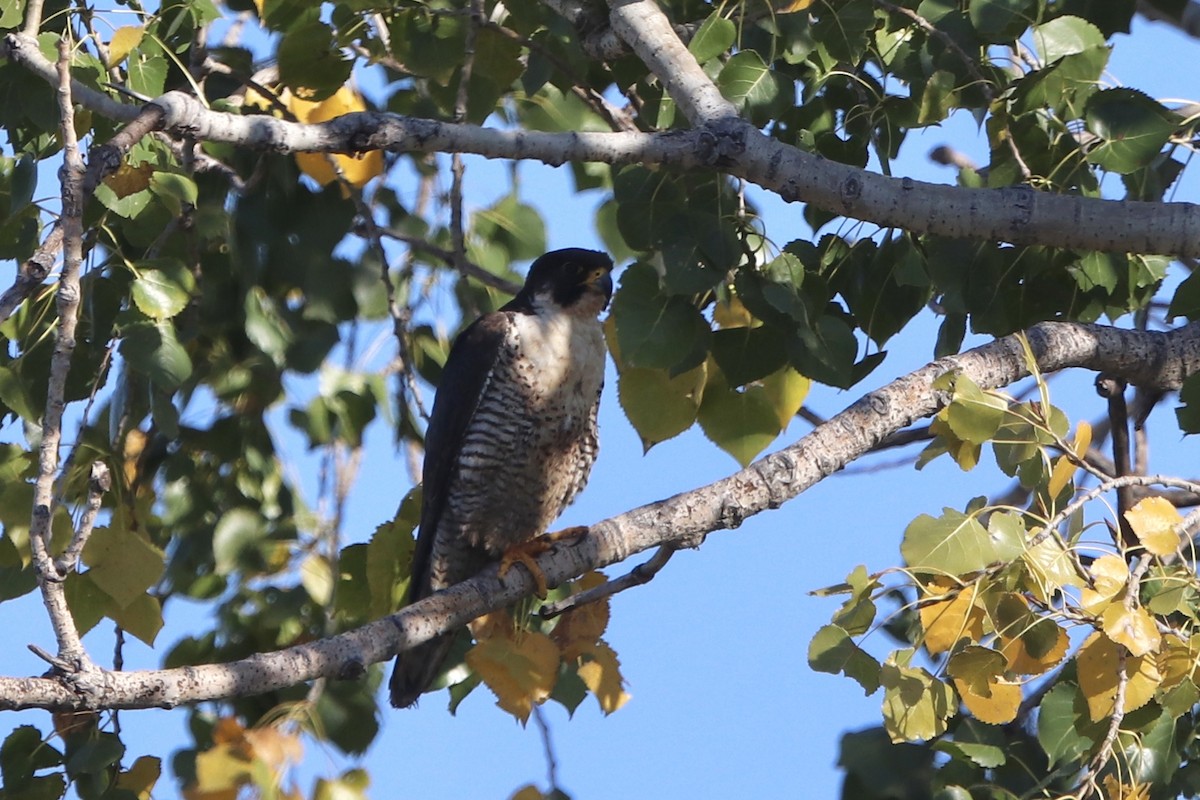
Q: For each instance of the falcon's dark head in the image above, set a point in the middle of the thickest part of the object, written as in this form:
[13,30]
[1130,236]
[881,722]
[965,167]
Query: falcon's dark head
[574,280]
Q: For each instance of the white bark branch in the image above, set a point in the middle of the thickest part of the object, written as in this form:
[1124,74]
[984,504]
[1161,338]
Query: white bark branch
[1143,358]
[1017,214]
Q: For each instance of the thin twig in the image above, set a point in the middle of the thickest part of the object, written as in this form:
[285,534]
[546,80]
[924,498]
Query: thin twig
[639,575]
[1113,390]
[466,267]
[548,746]
[98,485]
[1108,486]
[31,274]
[70,649]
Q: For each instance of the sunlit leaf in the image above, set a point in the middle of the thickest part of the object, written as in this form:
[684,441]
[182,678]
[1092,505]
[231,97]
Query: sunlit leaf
[520,670]
[1098,668]
[601,673]
[1155,522]
[123,40]
[946,622]
[1132,627]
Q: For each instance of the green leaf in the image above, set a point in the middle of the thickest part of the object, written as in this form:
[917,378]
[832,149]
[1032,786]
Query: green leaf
[1065,729]
[24,752]
[844,28]
[1132,128]
[14,393]
[973,414]
[176,191]
[122,564]
[96,755]
[916,705]
[238,530]
[88,603]
[747,82]
[1149,750]
[833,651]
[151,348]
[515,226]
[266,327]
[937,98]
[655,330]
[310,64]
[1064,36]
[658,406]
[1188,414]
[1001,21]
[16,577]
[858,613]
[163,287]
[714,36]
[956,544]
[389,558]
[142,618]
[742,423]
[147,75]
[748,354]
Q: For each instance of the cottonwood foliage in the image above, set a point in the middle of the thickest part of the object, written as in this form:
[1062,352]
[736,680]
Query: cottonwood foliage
[220,278]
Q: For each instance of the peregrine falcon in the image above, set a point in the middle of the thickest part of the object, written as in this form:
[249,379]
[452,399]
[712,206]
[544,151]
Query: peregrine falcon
[512,436]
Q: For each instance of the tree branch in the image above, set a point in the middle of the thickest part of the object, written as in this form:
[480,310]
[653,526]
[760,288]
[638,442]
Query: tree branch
[1140,357]
[1188,19]
[1016,214]
[70,649]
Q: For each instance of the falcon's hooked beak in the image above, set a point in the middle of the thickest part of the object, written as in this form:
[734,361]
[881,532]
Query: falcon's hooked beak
[600,281]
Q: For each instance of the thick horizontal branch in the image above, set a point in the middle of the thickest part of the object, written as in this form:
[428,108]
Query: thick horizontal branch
[1153,359]
[1018,215]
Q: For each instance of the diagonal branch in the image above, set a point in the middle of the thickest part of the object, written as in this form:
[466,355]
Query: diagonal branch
[1140,357]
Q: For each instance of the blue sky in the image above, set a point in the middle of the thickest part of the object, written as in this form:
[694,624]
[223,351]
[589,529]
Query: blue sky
[714,649]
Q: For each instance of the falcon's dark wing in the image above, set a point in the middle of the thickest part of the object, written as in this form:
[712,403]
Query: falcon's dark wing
[464,381]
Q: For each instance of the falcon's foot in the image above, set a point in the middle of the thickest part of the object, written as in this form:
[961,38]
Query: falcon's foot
[525,553]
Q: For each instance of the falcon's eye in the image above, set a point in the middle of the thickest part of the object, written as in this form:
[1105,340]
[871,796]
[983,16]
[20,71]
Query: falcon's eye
[596,275]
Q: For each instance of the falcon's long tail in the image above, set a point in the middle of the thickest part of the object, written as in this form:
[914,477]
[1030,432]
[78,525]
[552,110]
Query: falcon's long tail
[416,669]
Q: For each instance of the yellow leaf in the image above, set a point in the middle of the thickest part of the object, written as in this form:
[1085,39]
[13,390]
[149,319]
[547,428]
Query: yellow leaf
[528,792]
[786,390]
[123,41]
[221,769]
[1115,790]
[976,668]
[258,6]
[1109,575]
[125,181]
[602,676]
[274,747]
[1064,467]
[795,5]
[1097,664]
[947,621]
[733,314]
[357,169]
[997,706]
[1155,522]
[1037,650]
[141,777]
[1177,660]
[520,671]
[1132,627]
[579,629]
